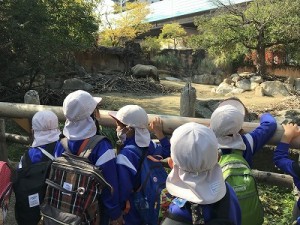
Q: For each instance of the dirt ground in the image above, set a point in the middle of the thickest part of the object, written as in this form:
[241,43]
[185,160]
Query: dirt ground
[170,104]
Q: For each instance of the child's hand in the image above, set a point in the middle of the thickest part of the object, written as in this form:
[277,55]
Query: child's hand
[155,126]
[290,131]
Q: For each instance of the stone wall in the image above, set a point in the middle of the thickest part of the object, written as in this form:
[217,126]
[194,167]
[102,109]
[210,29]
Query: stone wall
[287,71]
[116,59]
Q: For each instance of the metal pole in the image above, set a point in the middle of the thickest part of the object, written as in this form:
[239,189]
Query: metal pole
[3,147]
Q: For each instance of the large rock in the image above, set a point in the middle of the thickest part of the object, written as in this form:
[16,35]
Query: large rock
[244,84]
[145,71]
[297,85]
[76,84]
[273,88]
[288,116]
[224,88]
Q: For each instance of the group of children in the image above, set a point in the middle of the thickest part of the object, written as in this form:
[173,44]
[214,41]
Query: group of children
[201,195]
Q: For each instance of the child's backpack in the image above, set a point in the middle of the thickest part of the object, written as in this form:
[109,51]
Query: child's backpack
[220,212]
[237,173]
[5,189]
[29,186]
[153,181]
[74,187]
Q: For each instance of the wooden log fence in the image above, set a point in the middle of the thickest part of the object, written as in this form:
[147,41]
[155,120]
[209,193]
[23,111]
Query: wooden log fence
[20,110]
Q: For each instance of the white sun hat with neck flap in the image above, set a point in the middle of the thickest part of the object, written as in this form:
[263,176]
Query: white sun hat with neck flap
[77,108]
[226,122]
[196,175]
[136,117]
[45,128]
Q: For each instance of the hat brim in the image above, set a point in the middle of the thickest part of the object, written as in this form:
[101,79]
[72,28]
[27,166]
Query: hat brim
[235,103]
[203,188]
[113,114]
[97,99]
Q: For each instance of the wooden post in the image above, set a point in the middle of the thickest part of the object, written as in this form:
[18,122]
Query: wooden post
[3,148]
[187,101]
[30,97]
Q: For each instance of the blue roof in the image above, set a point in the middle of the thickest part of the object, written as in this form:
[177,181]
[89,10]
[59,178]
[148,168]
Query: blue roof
[174,8]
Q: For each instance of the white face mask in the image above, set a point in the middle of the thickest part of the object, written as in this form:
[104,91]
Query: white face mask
[121,135]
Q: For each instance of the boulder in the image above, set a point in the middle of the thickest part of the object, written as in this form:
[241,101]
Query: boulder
[244,84]
[224,88]
[273,88]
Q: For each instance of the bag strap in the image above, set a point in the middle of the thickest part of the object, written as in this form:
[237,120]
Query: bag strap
[143,152]
[82,146]
[26,161]
[90,145]
[64,143]
[46,153]
[86,146]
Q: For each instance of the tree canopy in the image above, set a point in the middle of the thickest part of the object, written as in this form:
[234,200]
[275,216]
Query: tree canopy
[173,31]
[36,36]
[257,25]
[126,24]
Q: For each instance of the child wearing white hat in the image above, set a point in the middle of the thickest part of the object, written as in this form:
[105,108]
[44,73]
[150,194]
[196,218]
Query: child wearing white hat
[132,131]
[227,121]
[45,147]
[80,110]
[45,132]
[196,180]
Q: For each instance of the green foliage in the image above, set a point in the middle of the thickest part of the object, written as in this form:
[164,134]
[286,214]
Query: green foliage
[278,204]
[174,32]
[258,25]
[206,65]
[151,45]
[39,34]
[168,61]
[194,41]
[125,26]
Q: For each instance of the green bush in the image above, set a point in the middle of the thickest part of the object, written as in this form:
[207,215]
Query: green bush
[168,61]
[205,66]
[278,204]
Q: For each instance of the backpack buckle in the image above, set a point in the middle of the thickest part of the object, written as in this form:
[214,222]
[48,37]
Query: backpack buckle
[81,190]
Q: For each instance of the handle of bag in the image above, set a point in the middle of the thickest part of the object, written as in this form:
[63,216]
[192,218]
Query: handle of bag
[56,186]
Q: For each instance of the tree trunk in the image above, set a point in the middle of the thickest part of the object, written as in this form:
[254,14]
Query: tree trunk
[261,51]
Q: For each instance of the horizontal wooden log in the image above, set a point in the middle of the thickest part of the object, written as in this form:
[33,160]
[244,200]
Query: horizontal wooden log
[20,110]
[277,179]
[17,138]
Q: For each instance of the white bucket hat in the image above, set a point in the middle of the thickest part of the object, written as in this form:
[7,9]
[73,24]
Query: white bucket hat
[45,127]
[235,102]
[136,117]
[77,108]
[226,122]
[196,175]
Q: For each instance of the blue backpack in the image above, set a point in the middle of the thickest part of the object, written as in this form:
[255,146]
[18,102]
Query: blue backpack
[153,180]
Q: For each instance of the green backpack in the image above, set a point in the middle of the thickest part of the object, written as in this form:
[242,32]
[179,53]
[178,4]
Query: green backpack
[237,172]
